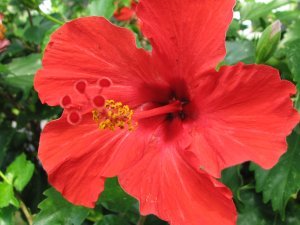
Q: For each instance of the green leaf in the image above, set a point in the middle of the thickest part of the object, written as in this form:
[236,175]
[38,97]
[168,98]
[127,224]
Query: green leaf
[47,36]
[233,29]
[27,65]
[126,2]
[115,199]
[239,51]
[22,71]
[36,33]
[233,179]
[291,42]
[153,220]
[282,182]
[255,10]
[113,220]
[104,8]
[7,195]
[293,58]
[293,214]
[6,216]
[33,34]
[4,69]
[20,172]
[253,211]
[297,102]
[56,210]
[287,17]
[293,32]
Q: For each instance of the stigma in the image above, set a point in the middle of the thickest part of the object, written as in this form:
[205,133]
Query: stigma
[83,98]
[114,115]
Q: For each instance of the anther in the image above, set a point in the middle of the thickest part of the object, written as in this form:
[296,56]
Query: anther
[80,86]
[74,118]
[65,101]
[104,82]
[114,115]
[98,101]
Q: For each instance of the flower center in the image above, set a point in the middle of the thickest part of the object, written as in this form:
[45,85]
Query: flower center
[117,115]
[114,115]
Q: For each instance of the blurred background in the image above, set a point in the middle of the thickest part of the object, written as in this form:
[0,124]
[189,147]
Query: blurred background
[262,32]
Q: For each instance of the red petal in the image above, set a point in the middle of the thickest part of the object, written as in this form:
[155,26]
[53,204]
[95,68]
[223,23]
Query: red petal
[124,14]
[187,36]
[245,113]
[168,187]
[78,157]
[89,49]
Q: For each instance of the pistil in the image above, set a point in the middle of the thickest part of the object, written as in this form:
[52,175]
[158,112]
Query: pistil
[173,107]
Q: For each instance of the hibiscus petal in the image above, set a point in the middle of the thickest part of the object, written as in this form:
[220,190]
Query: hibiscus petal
[77,158]
[245,113]
[168,187]
[88,49]
[187,36]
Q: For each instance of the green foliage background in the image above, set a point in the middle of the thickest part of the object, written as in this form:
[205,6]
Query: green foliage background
[262,197]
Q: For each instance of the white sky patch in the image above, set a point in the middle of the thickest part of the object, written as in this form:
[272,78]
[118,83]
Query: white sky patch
[46,6]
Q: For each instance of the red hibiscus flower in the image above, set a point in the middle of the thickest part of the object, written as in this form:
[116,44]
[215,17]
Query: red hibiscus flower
[126,13]
[165,122]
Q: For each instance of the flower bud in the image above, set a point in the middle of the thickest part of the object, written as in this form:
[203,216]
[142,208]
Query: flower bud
[268,42]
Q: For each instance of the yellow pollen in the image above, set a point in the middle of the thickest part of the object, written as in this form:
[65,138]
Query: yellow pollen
[2,31]
[114,115]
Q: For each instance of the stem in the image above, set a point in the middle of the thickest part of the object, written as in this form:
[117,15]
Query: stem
[51,18]
[142,220]
[4,177]
[23,207]
[30,17]
[26,212]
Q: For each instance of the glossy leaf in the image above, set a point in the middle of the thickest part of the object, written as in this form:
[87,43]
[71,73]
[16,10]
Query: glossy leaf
[22,71]
[232,178]
[7,196]
[255,10]
[104,8]
[56,210]
[27,65]
[293,57]
[282,182]
[254,212]
[113,220]
[115,199]
[6,216]
[20,172]
[293,32]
